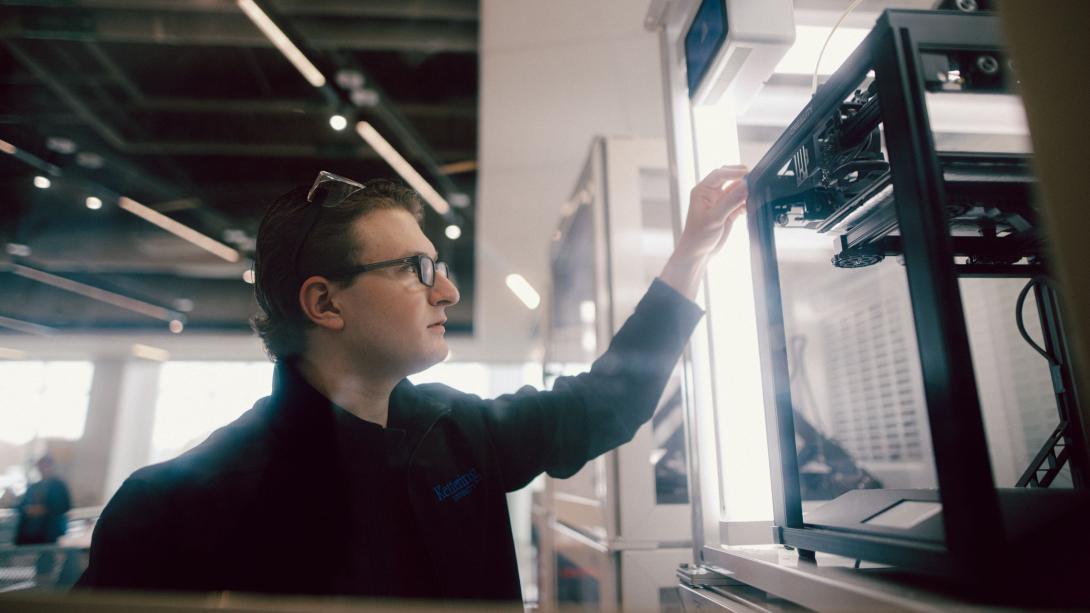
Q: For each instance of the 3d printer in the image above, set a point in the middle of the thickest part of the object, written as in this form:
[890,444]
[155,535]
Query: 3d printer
[914,419]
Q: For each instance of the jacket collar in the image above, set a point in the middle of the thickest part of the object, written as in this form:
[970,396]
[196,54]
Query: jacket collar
[299,411]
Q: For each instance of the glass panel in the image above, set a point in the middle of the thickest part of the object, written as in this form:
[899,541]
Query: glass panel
[670,600]
[980,123]
[667,425]
[572,342]
[575,585]
[1014,381]
[44,409]
[860,415]
[572,339]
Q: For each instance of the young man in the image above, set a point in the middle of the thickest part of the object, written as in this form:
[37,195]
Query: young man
[350,480]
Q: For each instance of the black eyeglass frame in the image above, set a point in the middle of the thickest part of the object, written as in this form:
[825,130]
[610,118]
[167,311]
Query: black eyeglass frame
[426,274]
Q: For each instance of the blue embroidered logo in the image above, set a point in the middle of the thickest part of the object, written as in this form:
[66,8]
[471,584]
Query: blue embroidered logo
[459,487]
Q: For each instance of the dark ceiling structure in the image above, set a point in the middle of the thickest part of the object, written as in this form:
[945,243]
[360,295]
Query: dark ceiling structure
[126,125]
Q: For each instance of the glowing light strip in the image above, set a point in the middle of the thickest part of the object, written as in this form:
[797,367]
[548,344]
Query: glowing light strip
[148,352]
[381,146]
[458,167]
[179,229]
[309,71]
[11,354]
[26,326]
[523,290]
[95,293]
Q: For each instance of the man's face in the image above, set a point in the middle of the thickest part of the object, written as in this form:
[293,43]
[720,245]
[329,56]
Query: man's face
[393,322]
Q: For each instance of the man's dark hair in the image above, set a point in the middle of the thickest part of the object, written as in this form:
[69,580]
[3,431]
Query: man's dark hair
[330,247]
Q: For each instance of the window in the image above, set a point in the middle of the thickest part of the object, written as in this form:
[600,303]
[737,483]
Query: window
[196,398]
[42,400]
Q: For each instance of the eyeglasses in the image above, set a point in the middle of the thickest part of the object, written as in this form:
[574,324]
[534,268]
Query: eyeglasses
[328,191]
[424,266]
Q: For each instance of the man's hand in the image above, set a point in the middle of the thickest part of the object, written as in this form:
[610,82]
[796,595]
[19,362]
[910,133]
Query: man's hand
[714,204]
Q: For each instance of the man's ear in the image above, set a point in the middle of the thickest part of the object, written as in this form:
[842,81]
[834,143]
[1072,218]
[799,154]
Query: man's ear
[316,301]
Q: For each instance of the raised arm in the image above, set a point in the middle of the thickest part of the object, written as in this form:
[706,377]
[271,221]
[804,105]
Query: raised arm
[714,204]
[589,414]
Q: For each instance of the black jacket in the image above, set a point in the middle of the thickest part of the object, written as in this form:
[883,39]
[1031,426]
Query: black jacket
[223,516]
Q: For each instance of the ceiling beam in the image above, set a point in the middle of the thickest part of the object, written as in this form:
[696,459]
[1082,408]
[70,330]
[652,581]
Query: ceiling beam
[132,147]
[235,30]
[289,106]
[451,10]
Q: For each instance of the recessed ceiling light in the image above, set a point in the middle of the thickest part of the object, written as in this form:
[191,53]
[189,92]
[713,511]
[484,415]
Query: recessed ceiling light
[248,276]
[453,232]
[176,326]
[90,160]
[60,145]
[19,250]
[338,122]
[94,203]
[42,182]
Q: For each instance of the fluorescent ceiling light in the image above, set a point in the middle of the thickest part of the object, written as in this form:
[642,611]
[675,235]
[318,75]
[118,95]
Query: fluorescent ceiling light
[454,168]
[309,71]
[802,56]
[95,293]
[179,229]
[11,354]
[7,147]
[148,352]
[523,290]
[402,167]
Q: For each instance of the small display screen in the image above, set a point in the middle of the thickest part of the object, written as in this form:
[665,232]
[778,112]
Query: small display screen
[702,42]
[905,514]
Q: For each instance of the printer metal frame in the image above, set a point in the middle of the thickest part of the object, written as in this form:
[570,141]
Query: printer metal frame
[972,515]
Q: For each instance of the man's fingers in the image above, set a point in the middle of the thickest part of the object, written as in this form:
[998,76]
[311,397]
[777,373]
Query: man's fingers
[733,195]
[738,211]
[721,175]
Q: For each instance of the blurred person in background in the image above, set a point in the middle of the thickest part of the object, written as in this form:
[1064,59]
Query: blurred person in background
[42,513]
[42,509]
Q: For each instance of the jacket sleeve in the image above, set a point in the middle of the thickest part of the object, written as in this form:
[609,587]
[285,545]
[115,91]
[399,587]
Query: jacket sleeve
[128,547]
[586,415]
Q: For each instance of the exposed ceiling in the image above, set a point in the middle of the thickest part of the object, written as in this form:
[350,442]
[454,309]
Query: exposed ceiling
[187,108]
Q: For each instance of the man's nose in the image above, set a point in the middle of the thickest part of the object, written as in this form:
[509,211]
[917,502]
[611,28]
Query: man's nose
[444,292]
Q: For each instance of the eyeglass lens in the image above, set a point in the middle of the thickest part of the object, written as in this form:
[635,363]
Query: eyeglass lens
[428,268]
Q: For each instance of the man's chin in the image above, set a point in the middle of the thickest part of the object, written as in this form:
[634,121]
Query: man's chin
[440,354]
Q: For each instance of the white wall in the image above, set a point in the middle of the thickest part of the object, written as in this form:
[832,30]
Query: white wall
[553,75]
